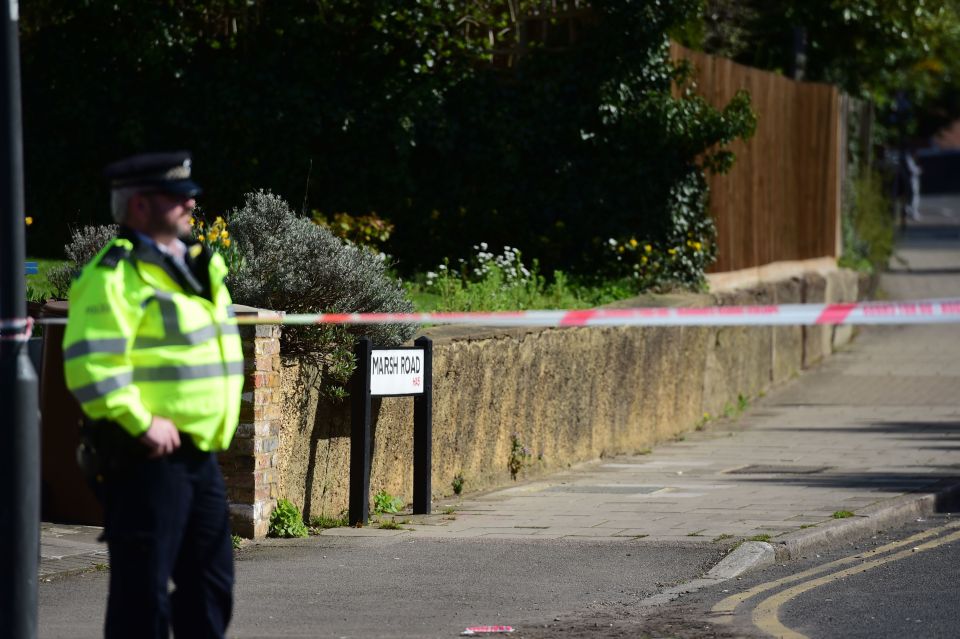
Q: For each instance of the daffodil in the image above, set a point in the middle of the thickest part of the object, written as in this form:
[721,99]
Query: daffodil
[224,235]
[648,248]
[226,241]
[201,237]
[28,220]
[633,243]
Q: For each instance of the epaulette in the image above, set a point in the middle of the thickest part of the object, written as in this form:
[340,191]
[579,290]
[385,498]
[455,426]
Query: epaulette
[113,256]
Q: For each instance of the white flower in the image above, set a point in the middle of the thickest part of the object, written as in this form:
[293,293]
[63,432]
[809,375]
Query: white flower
[483,245]
[431,274]
[442,267]
[612,242]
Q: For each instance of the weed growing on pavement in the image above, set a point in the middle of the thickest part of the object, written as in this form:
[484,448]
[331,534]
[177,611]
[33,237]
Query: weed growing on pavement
[761,537]
[457,484]
[696,533]
[842,514]
[389,524]
[236,540]
[101,567]
[721,537]
[384,502]
[449,510]
[644,451]
[519,456]
[322,522]
[805,526]
[286,521]
[703,421]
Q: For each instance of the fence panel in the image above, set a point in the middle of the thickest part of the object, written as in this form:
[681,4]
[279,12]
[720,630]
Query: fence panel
[781,200]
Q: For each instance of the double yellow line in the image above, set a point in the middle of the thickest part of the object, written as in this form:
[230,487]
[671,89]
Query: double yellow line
[765,613]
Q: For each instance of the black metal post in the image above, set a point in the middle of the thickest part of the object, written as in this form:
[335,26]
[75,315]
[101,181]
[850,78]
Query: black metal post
[19,434]
[360,435]
[423,433]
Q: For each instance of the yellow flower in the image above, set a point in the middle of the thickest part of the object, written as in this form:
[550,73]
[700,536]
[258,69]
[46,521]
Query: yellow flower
[672,251]
[193,221]
[647,248]
[28,220]
[226,241]
[224,235]
[633,243]
[697,245]
[643,259]
[201,237]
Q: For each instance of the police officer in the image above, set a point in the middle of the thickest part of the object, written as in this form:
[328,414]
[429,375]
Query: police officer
[154,358]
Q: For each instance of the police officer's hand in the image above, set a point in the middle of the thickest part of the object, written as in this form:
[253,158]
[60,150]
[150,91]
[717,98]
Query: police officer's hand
[162,438]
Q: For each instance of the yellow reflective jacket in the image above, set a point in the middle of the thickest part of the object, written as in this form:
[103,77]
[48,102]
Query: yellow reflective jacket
[146,338]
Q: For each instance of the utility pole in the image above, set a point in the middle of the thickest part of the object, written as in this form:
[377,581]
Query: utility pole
[19,432]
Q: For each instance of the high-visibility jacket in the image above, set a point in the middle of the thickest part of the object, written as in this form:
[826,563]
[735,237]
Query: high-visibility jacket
[146,338]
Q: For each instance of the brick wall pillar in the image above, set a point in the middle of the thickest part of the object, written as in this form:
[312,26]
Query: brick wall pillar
[250,464]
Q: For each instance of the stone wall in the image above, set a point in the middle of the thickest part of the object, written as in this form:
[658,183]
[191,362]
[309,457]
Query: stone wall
[569,394]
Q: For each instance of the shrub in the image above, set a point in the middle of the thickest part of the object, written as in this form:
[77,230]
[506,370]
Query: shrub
[868,225]
[294,265]
[290,264]
[286,521]
[84,245]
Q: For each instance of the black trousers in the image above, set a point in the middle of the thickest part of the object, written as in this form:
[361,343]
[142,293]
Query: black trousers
[166,519]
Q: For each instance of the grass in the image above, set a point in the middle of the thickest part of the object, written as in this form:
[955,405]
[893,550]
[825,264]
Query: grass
[721,537]
[842,514]
[38,288]
[761,537]
[449,510]
[389,524]
[696,533]
[322,522]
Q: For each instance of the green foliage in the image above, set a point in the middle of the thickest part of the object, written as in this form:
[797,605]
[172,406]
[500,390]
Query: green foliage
[842,514]
[366,230]
[760,537]
[413,110]
[457,484]
[384,502]
[489,282]
[868,225]
[85,243]
[872,49]
[519,457]
[216,236]
[289,263]
[286,521]
[236,541]
[322,522]
[389,524]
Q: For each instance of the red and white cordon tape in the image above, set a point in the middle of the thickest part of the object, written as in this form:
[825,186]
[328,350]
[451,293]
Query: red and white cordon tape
[483,630]
[912,312]
[939,311]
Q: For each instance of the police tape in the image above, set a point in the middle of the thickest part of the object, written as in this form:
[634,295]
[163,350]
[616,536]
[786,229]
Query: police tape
[939,311]
[908,312]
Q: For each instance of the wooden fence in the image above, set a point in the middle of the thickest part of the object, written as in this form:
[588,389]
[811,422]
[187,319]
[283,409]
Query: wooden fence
[781,201]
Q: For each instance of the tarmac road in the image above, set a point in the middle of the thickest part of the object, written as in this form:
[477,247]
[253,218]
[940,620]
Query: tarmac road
[392,587]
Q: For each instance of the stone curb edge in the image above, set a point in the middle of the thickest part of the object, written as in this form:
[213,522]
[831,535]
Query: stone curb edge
[881,516]
[751,555]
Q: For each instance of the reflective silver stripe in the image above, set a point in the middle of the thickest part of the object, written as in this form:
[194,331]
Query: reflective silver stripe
[192,338]
[104,387]
[179,373]
[168,311]
[113,345]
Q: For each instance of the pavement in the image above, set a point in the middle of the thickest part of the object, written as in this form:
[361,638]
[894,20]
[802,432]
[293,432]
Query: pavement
[867,440]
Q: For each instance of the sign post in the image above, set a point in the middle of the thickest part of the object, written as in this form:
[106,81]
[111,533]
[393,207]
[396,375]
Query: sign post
[397,372]
[19,433]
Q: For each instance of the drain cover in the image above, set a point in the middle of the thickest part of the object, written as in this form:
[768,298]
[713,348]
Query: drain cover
[604,490]
[760,469]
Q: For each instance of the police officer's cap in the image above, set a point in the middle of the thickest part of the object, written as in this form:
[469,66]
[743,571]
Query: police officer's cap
[168,172]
